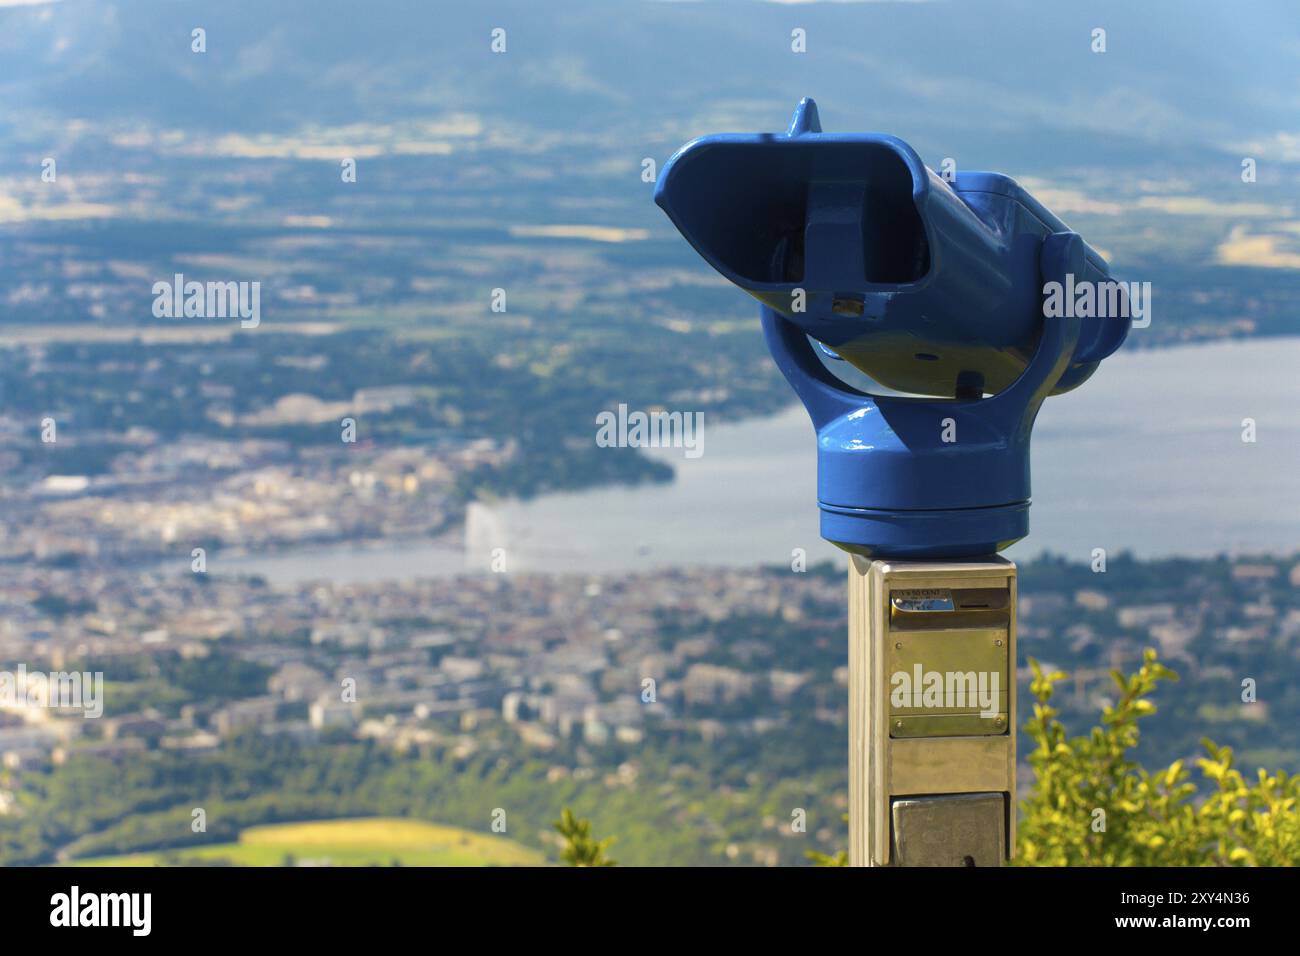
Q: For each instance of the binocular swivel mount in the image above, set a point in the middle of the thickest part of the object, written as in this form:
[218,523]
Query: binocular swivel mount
[935,289]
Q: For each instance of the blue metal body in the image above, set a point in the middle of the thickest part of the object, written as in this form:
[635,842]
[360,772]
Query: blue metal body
[931,289]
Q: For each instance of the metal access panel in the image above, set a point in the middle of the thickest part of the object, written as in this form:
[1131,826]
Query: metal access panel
[947,682]
[959,829]
[932,712]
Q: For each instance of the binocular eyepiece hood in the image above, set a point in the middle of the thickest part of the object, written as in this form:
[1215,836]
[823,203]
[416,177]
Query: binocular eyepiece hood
[932,286]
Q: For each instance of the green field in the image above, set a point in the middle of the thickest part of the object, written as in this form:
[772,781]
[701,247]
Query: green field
[371,841]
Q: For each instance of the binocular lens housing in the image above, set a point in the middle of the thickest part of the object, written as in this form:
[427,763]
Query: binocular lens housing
[929,287]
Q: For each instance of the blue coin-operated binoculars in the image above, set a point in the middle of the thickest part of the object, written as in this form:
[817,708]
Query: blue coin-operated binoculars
[938,290]
[931,288]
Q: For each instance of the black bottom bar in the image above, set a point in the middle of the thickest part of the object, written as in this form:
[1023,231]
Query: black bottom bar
[586,909]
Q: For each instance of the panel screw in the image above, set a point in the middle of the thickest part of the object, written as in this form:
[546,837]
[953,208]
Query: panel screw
[898,646]
[998,643]
[997,721]
[898,725]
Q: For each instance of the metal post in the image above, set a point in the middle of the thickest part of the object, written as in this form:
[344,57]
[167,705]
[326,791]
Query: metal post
[932,747]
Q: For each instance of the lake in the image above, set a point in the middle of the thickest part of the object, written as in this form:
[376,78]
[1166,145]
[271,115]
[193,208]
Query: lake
[1146,456]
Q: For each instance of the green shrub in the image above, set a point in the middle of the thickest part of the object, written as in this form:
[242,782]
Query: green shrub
[1092,805]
